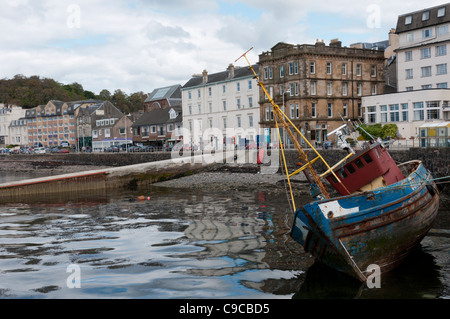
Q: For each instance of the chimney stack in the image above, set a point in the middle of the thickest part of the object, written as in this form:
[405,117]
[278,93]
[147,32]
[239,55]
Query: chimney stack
[205,76]
[230,70]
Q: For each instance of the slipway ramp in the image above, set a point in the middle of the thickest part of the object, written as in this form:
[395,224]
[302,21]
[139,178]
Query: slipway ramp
[130,177]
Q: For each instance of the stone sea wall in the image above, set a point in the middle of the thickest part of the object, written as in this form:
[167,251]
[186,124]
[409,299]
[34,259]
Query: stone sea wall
[437,160]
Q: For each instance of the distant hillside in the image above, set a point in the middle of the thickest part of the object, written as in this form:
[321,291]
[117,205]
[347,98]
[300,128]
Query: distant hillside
[32,91]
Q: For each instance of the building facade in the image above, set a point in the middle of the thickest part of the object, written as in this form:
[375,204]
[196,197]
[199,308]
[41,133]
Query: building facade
[8,114]
[110,127]
[424,40]
[50,125]
[221,109]
[55,123]
[423,96]
[160,126]
[18,132]
[408,110]
[317,85]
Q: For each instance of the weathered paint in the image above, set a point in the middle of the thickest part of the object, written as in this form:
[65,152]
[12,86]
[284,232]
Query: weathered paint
[372,165]
[332,209]
[379,227]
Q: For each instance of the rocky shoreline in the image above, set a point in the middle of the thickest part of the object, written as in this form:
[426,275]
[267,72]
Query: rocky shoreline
[237,178]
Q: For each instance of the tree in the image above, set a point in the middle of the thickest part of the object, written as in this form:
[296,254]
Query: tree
[377,130]
[120,100]
[89,95]
[389,130]
[137,100]
[105,95]
[32,91]
[75,91]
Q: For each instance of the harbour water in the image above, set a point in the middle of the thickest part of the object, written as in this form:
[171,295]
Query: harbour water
[175,243]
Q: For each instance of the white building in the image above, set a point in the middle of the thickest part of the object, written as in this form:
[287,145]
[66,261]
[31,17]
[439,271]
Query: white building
[424,49]
[221,108]
[422,57]
[8,113]
[408,110]
[18,132]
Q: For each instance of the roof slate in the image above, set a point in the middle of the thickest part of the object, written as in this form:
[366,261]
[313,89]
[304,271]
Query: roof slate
[158,116]
[165,93]
[239,72]
[417,23]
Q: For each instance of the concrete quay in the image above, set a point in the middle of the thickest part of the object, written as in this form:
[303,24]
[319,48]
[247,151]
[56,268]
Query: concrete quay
[103,181]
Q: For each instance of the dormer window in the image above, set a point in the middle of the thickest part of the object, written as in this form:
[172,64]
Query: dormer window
[425,15]
[173,114]
[441,12]
[408,19]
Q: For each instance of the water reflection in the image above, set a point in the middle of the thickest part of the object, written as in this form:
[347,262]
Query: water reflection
[417,277]
[181,244]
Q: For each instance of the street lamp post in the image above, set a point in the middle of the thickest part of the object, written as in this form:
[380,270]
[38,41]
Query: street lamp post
[284,110]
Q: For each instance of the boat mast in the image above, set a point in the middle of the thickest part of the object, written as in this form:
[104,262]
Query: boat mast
[318,188]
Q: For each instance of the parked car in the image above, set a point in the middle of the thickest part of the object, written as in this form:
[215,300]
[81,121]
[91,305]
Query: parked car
[134,149]
[39,150]
[25,150]
[113,149]
[147,149]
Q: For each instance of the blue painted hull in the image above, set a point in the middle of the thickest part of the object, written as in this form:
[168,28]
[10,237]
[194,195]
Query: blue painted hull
[379,227]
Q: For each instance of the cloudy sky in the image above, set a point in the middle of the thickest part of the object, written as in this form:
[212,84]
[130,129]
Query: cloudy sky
[140,45]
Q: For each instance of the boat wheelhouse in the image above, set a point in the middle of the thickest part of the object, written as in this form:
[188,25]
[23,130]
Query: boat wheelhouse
[368,169]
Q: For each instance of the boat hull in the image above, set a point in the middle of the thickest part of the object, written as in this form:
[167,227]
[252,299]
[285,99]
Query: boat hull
[379,227]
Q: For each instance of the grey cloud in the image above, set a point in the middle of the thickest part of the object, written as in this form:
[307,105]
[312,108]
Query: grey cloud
[156,30]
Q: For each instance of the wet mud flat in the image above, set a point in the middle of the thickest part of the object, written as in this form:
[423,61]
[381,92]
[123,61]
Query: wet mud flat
[239,178]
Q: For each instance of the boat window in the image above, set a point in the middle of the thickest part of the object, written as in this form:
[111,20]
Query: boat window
[334,179]
[343,173]
[350,168]
[367,158]
[359,163]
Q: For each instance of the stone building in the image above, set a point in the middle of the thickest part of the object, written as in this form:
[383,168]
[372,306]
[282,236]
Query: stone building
[318,85]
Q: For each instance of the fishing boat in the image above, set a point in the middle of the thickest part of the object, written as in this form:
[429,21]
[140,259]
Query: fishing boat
[380,213]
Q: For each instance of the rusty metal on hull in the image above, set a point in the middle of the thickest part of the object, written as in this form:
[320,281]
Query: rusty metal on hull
[379,230]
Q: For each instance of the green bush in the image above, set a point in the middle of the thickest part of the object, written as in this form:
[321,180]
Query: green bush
[378,130]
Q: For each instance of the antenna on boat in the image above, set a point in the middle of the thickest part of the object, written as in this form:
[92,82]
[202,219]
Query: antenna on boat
[318,189]
[351,130]
[340,135]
